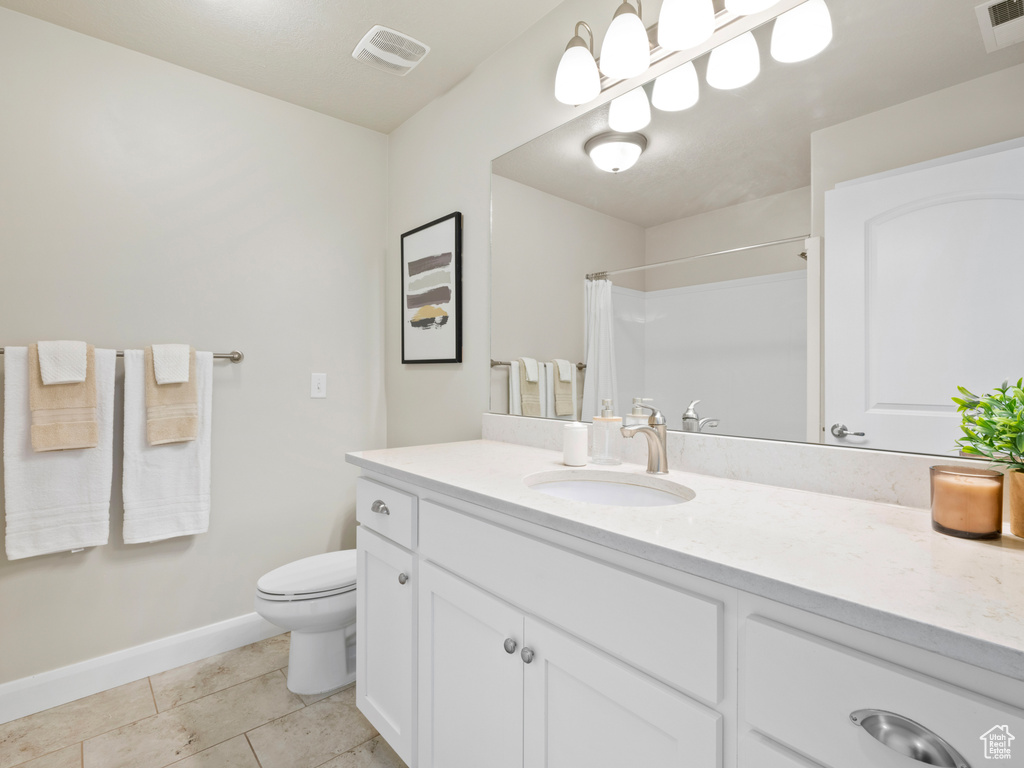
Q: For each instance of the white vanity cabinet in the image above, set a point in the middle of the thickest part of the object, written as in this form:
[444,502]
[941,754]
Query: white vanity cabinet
[386,613]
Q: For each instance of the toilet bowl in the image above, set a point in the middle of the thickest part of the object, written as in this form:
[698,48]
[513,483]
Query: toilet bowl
[314,598]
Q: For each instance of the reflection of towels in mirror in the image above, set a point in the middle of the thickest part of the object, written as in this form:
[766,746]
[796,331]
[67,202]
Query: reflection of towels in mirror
[564,386]
[530,390]
[515,395]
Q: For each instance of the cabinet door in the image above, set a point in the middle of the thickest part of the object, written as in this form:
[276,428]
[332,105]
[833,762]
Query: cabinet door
[470,688]
[385,647]
[584,709]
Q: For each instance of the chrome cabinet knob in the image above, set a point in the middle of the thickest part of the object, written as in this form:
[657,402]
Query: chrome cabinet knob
[510,645]
[840,430]
[380,508]
[527,655]
[402,578]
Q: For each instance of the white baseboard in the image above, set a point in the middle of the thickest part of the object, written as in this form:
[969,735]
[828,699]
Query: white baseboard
[29,695]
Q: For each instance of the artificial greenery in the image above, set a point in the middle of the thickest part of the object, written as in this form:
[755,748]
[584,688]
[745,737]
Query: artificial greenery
[993,424]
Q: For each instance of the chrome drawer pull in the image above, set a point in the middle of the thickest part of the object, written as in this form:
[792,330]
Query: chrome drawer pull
[402,578]
[910,739]
[380,508]
[510,645]
[527,655]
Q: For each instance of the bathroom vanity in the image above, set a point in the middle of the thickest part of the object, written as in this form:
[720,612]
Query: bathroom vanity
[751,626]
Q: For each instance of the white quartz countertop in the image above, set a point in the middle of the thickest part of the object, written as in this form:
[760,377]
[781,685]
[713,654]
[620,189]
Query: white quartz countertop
[876,566]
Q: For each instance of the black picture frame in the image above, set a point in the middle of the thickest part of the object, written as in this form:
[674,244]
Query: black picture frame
[431,286]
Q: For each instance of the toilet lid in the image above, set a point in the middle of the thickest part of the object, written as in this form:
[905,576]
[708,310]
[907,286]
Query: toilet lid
[312,576]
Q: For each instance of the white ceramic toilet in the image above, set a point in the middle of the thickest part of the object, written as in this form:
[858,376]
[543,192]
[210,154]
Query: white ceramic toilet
[314,598]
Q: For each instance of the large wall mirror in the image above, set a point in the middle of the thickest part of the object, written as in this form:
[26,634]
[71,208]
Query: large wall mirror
[830,249]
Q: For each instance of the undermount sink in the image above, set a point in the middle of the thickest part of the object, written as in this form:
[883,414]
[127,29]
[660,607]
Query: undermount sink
[615,489]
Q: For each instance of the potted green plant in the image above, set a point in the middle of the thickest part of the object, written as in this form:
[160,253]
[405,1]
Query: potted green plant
[993,427]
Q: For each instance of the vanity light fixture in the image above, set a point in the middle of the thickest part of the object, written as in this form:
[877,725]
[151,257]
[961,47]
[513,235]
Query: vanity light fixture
[615,152]
[685,24]
[626,50]
[629,112]
[747,7]
[801,33]
[677,89]
[735,63]
[577,80]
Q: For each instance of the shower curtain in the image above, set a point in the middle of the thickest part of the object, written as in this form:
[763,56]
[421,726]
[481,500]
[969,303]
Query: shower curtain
[598,348]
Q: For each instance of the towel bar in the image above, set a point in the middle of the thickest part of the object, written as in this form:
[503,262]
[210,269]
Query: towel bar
[234,355]
[496,363]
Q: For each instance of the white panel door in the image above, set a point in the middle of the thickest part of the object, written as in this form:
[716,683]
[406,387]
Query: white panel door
[586,710]
[470,687]
[384,639]
[923,269]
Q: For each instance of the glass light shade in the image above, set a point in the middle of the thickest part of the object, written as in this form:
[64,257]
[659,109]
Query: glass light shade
[629,112]
[685,24]
[747,7]
[577,80]
[677,89]
[615,156]
[802,32]
[735,63]
[626,50]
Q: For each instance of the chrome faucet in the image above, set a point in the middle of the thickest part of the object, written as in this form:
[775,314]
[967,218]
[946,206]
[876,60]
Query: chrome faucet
[657,452]
[694,423]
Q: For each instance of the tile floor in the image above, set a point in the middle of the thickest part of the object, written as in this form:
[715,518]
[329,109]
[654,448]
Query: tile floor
[232,710]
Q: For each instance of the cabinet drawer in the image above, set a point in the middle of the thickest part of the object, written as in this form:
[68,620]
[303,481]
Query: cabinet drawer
[670,634]
[394,516]
[758,752]
[802,690]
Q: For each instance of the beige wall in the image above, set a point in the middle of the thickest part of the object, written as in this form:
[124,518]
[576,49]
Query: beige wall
[141,202]
[974,114]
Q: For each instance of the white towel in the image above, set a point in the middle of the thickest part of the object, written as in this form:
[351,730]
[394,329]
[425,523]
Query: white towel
[62,362]
[166,487]
[565,369]
[515,395]
[532,371]
[170,363]
[57,500]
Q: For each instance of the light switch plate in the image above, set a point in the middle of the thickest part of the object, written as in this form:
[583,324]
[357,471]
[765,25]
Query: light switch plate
[318,385]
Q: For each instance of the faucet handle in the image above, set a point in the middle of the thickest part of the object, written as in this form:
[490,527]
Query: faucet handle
[656,416]
[691,412]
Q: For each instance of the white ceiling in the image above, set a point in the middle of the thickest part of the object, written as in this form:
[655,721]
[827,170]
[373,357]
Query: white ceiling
[741,145]
[301,50]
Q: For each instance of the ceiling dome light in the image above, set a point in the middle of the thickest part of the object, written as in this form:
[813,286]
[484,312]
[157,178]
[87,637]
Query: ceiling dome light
[626,50]
[802,32]
[577,80]
[630,112]
[677,89]
[615,152]
[735,63]
[747,7]
[685,24]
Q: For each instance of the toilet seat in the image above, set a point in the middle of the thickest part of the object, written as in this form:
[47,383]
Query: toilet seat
[332,573]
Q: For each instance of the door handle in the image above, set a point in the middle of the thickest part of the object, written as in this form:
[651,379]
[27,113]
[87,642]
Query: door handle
[840,430]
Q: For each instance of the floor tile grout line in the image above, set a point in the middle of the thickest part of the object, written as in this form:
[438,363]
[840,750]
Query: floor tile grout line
[253,750]
[153,694]
[342,754]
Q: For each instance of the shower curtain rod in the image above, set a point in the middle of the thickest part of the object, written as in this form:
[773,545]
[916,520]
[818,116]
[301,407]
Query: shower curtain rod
[605,275]
[234,356]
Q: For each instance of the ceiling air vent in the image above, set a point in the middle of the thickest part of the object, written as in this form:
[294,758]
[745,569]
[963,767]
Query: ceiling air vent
[390,50]
[1002,23]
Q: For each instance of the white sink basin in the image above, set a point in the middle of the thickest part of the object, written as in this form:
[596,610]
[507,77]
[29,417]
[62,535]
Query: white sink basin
[615,489]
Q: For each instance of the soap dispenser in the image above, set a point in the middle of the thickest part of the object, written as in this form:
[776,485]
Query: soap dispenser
[607,436]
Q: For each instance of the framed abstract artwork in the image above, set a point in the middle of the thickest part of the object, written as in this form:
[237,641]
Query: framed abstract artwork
[432,292]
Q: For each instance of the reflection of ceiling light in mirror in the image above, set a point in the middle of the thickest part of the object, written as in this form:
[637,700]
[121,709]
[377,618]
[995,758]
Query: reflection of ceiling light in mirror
[615,152]
[735,63]
[629,112]
[685,24]
[626,50]
[677,89]
[747,7]
[802,32]
[577,80]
